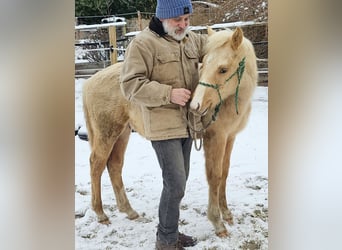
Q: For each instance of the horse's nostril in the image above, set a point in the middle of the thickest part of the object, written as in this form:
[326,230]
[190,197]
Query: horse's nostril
[198,107]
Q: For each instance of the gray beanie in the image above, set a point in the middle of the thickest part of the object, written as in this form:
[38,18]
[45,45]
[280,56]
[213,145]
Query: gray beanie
[173,8]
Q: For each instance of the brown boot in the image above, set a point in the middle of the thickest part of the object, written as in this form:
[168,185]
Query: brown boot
[186,240]
[162,246]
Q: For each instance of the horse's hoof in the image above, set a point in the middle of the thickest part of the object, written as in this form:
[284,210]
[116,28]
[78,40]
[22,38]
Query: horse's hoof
[230,221]
[103,220]
[133,215]
[223,234]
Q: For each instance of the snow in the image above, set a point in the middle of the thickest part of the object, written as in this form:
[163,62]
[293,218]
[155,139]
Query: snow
[225,25]
[247,191]
[97,26]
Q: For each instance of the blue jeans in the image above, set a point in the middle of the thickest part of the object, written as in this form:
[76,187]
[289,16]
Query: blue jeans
[174,160]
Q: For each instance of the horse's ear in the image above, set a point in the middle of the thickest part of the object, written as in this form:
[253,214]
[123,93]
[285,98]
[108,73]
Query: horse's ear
[210,30]
[237,38]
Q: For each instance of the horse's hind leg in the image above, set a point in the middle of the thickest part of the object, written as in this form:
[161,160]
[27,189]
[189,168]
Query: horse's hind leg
[114,166]
[226,214]
[98,160]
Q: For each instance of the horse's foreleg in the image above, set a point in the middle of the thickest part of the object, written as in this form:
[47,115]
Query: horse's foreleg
[226,214]
[114,166]
[213,160]
[97,165]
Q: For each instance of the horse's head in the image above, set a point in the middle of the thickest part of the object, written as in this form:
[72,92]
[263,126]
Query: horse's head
[225,51]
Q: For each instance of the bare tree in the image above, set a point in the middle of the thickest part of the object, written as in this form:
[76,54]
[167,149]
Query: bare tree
[104,6]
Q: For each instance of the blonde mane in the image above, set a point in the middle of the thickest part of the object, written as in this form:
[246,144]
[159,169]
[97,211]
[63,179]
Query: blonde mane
[218,40]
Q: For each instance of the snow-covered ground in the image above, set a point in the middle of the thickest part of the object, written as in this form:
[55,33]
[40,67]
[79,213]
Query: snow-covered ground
[247,192]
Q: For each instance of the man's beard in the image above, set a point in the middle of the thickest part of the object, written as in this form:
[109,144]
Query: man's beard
[171,31]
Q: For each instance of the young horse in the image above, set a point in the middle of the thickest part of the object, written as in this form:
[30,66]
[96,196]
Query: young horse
[228,77]
[110,118]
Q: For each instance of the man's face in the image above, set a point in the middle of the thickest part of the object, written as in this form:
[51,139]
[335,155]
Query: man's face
[177,27]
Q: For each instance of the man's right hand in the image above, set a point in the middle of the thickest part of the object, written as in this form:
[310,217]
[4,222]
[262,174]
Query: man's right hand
[180,96]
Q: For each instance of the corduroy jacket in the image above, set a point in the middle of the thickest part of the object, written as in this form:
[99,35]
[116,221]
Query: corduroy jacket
[154,64]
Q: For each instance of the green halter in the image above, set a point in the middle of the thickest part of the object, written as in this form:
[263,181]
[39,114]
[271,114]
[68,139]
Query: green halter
[239,72]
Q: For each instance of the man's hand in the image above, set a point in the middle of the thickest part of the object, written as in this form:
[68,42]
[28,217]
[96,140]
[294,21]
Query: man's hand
[180,96]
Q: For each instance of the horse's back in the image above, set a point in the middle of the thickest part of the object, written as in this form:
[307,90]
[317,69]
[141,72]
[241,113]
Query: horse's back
[103,87]
[105,108]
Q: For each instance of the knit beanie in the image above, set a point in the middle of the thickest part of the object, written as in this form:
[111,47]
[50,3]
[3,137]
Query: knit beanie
[173,8]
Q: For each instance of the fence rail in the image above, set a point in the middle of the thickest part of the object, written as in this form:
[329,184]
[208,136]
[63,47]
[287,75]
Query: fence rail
[86,70]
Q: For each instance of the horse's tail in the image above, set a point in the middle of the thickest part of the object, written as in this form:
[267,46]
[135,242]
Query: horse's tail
[87,116]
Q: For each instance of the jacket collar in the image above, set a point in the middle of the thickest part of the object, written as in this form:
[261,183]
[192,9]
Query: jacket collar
[157,26]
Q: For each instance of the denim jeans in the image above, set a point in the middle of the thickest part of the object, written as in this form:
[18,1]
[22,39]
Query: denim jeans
[174,160]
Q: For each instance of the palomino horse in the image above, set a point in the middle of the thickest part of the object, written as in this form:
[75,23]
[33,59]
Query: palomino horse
[110,118]
[228,78]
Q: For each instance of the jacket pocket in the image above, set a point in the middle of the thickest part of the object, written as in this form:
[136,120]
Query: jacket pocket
[190,53]
[168,57]
[191,64]
[166,120]
[167,68]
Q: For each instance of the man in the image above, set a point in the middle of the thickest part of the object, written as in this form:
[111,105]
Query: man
[160,72]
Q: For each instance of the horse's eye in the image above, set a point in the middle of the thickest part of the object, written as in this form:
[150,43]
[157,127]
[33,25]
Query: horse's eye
[222,70]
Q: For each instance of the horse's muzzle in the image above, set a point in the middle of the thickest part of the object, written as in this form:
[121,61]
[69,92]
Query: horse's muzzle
[197,110]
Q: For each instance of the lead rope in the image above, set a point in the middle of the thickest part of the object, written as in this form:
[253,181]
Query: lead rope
[196,131]
[198,148]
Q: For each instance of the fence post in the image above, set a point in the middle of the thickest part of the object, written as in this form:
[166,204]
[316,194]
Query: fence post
[112,42]
[139,20]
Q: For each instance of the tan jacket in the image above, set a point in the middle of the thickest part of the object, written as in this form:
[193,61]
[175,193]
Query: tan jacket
[153,66]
